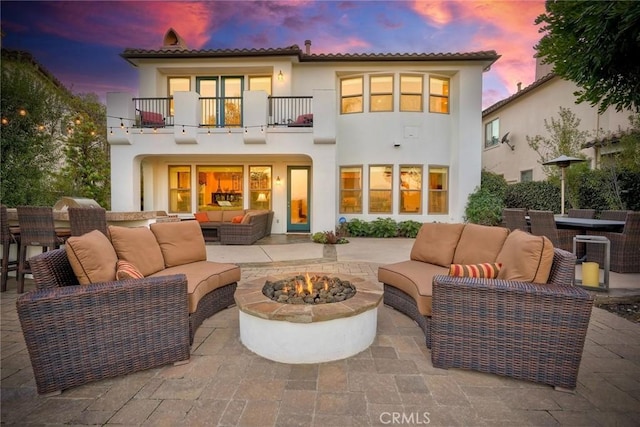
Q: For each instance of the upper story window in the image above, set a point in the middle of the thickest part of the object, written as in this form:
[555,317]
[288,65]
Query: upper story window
[381,93]
[260,83]
[177,84]
[438,95]
[410,92]
[380,187]
[492,133]
[351,98]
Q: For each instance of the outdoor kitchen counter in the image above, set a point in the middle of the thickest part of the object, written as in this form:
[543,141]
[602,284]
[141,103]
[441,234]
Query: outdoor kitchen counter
[125,219]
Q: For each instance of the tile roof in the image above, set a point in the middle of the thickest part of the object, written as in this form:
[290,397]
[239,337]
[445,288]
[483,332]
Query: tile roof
[295,50]
[518,94]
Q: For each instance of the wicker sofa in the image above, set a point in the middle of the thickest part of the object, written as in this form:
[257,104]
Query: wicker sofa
[82,325]
[235,227]
[529,322]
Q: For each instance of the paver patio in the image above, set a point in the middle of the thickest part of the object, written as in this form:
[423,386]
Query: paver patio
[391,383]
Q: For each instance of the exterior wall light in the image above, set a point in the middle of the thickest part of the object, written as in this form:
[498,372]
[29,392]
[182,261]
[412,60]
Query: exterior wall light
[280,76]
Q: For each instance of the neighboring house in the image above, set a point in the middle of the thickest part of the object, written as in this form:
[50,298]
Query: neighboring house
[507,124]
[314,137]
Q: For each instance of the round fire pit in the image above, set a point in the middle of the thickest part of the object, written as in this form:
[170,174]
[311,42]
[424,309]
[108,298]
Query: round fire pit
[307,333]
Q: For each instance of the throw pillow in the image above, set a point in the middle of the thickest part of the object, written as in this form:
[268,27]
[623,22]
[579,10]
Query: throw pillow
[201,216]
[237,219]
[139,246]
[92,257]
[488,270]
[126,270]
[526,257]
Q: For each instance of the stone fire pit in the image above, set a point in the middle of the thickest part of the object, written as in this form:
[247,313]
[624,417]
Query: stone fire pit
[307,333]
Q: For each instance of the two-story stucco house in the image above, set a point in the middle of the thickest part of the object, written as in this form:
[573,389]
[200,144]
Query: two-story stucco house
[508,122]
[314,137]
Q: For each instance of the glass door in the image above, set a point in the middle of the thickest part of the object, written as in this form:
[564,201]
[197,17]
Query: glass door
[207,87]
[298,199]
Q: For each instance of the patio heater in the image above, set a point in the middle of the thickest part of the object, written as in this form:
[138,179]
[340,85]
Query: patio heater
[562,162]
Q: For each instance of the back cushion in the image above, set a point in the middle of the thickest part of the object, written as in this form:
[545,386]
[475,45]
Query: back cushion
[180,242]
[92,257]
[436,243]
[215,216]
[139,246]
[201,216]
[479,243]
[526,257]
[227,216]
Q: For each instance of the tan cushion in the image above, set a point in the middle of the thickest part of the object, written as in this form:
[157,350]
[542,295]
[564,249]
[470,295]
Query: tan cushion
[204,277]
[214,216]
[479,244]
[180,242]
[415,278]
[92,257]
[436,243]
[526,257]
[227,216]
[139,246]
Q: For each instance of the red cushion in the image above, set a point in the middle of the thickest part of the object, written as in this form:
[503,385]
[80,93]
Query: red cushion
[237,219]
[201,216]
[126,270]
[487,270]
[150,118]
[304,119]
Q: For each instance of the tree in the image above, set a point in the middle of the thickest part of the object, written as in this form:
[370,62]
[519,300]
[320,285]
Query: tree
[86,170]
[595,44]
[32,110]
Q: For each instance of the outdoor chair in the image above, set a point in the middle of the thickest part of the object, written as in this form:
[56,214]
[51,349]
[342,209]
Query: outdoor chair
[614,215]
[624,249]
[37,228]
[8,236]
[543,224]
[84,220]
[582,213]
[514,218]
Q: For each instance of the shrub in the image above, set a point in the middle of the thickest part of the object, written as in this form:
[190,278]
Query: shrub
[493,183]
[384,227]
[539,195]
[328,237]
[484,208]
[409,228]
[358,228]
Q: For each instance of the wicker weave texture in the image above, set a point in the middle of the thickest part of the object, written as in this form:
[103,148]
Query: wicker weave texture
[79,334]
[582,213]
[515,219]
[244,234]
[614,215]
[399,300]
[7,238]
[543,224]
[625,246]
[84,220]
[528,331]
[215,301]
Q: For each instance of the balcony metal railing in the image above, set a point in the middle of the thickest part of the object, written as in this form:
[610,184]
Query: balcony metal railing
[231,108]
[153,112]
[290,111]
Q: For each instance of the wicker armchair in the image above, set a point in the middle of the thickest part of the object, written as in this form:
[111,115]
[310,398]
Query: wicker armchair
[614,215]
[625,246]
[528,331]
[515,219]
[78,334]
[84,220]
[543,224]
[8,236]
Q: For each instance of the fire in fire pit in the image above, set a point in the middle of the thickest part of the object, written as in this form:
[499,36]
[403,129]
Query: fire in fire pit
[307,289]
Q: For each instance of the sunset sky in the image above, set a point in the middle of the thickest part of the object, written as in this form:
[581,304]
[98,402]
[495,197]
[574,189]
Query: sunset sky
[80,41]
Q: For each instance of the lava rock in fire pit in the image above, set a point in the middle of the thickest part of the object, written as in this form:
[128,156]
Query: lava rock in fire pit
[305,289]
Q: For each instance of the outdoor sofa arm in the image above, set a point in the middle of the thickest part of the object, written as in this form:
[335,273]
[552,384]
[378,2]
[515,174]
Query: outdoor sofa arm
[529,331]
[78,334]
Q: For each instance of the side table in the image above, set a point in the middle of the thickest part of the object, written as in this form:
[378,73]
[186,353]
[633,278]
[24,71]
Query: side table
[602,286]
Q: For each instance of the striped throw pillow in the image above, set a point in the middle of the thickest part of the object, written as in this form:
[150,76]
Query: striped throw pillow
[126,270]
[487,270]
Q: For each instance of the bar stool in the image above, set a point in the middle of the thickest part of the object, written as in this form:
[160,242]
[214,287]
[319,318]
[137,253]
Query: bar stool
[8,236]
[84,220]
[37,228]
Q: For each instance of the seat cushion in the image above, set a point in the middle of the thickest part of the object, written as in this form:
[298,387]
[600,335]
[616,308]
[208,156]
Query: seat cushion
[139,246]
[526,257]
[436,243]
[415,278]
[203,277]
[214,216]
[180,242]
[92,257]
[479,244]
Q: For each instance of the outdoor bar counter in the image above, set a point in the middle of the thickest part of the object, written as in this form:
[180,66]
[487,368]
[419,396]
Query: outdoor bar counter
[124,219]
